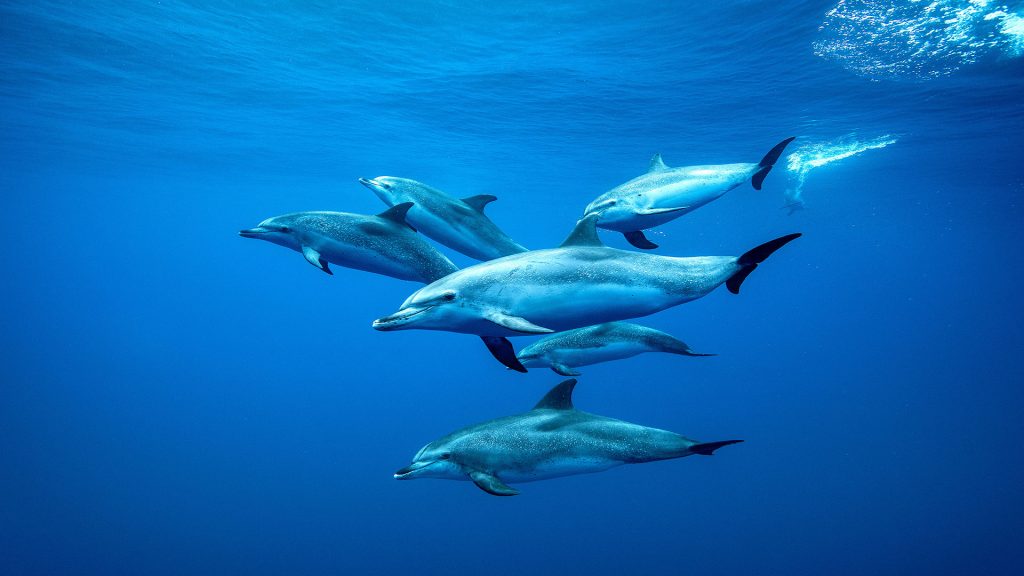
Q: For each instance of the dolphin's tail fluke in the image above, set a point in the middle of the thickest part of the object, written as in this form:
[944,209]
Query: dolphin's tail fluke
[708,448]
[766,163]
[749,261]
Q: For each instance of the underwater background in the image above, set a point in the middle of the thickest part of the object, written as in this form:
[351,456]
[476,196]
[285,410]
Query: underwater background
[179,400]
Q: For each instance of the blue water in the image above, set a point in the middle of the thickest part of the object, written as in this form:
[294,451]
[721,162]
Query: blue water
[179,400]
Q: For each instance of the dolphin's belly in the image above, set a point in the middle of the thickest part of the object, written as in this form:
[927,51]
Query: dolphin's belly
[462,229]
[558,467]
[596,285]
[391,260]
[597,354]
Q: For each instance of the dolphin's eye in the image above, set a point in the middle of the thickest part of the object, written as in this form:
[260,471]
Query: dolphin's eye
[445,456]
[285,229]
[449,296]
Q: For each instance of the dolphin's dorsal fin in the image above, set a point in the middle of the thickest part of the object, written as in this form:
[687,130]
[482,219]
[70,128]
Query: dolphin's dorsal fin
[479,201]
[397,214]
[559,398]
[585,233]
[657,164]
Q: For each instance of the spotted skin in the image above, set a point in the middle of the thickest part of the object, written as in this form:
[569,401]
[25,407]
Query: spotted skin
[552,440]
[362,242]
[565,351]
[446,219]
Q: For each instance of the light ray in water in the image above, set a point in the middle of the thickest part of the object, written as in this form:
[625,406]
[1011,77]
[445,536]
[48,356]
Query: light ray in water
[817,154]
[916,40]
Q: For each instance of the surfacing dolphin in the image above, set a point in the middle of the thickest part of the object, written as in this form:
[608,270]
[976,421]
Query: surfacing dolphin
[664,194]
[458,224]
[384,243]
[581,283]
[554,439]
[565,351]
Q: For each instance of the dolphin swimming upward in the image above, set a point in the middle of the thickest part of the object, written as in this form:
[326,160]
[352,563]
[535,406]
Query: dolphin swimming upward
[458,224]
[664,194]
[384,243]
[581,283]
[564,351]
[554,439]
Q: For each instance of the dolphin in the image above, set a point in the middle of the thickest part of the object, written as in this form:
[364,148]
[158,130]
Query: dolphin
[564,351]
[458,224]
[554,439]
[581,283]
[664,194]
[384,243]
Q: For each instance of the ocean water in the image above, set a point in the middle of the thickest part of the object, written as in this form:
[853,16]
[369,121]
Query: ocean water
[179,400]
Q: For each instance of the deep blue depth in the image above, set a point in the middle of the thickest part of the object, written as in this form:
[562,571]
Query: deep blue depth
[179,400]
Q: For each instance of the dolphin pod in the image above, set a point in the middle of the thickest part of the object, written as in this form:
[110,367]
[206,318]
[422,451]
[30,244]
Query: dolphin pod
[565,351]
[664,194]
[576,295]
[581,283]
[384,243]
[553,439]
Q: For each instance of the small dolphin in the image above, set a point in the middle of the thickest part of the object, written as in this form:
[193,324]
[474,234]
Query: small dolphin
[581,283]
[564,351]
[664,194]
[458,224]
[384,243]
[554,439]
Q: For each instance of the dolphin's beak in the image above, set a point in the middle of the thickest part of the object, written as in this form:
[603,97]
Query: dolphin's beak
[372,184]
[407,473]
[252,232]
[399,319]
[403,474]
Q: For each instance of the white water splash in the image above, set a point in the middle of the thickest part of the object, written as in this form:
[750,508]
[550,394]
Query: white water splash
[818,154]
[915,39]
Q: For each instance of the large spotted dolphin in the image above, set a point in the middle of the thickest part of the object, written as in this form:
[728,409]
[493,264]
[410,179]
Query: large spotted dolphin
[664,194]
[554,439]
[563,352]
[384,243]
[458,224]
[581,283]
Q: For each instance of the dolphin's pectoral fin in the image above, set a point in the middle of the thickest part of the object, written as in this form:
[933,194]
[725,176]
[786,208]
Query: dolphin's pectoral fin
[491,484]
[637,238]
[314,258]
[563,369]
[479,201]
[503,352]
[656,211]
[517,323]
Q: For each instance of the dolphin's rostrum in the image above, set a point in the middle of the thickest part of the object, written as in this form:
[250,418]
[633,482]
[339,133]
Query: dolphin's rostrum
[552,440]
